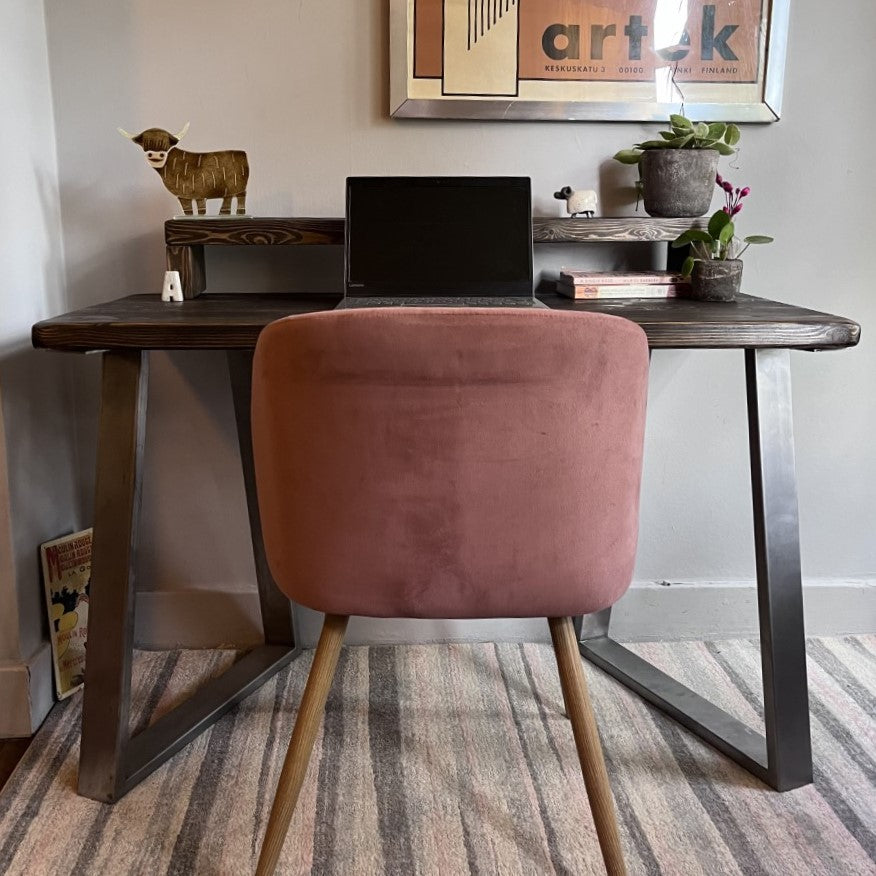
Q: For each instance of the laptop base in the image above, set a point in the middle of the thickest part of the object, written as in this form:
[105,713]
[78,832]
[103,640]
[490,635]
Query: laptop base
[440,301]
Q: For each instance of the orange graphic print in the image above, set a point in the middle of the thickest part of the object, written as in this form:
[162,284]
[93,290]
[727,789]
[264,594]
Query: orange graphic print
[559,40]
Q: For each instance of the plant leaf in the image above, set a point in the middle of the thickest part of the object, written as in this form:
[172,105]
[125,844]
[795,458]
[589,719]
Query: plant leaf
[717,222]
[717,130]
[653,144]
[759,238]
[690,236]
[726,233]
[669,135]
[680,142]
[679,121]
[731,135]
[701,129]
[687,267]
[628,156]
[723,148]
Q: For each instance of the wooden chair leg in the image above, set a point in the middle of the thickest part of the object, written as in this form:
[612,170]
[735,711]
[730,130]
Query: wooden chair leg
[587,742]
[310,713]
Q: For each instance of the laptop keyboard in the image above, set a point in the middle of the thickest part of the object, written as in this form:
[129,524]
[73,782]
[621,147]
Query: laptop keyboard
[439,301]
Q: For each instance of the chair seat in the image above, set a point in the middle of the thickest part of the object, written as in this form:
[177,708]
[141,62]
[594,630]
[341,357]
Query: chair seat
[448,463]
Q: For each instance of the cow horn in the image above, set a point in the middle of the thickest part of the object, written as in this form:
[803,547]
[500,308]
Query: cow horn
[183,132]
[124,133]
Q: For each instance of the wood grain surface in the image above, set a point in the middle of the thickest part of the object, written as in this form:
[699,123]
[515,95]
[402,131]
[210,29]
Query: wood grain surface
[610,230]
[307,724]
[261,231]
[580,713]
[234,321]
[282,231]
[189,261]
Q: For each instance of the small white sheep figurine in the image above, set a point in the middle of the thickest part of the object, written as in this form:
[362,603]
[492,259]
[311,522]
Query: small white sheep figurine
[582,202]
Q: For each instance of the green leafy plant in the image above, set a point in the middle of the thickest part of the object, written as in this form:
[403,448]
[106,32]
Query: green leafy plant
[718,241]
[685,134]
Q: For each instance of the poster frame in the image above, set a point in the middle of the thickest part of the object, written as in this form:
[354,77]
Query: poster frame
[404,104]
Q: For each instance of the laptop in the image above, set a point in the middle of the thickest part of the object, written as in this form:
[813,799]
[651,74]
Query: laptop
[438,242]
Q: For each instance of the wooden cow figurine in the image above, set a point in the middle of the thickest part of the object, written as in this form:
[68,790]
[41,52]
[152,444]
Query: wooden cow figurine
[195,176]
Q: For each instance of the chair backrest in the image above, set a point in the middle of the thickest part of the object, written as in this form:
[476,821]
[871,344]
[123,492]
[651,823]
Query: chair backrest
[450,463]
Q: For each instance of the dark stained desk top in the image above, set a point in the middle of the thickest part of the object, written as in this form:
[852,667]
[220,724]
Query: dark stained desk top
[234,321]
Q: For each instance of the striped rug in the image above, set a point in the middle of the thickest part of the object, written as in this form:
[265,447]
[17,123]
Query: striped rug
[457,759]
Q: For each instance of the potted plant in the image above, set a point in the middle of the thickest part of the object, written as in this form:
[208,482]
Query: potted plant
[676,171]
[715,265]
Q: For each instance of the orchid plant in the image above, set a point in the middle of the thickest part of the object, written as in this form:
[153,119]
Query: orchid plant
[718,241]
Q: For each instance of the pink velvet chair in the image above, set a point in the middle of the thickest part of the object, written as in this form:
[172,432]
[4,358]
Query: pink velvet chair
[450,463]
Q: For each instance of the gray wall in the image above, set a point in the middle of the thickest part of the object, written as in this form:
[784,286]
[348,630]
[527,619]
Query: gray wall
[37,448]
[303,87]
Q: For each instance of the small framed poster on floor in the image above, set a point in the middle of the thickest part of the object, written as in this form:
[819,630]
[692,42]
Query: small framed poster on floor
[613,60]
[66,565]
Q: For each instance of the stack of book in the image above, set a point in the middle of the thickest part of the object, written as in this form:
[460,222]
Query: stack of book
[621,284]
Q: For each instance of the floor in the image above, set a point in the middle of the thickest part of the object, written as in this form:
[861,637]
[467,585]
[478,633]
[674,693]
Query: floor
[451,760]
[11,752]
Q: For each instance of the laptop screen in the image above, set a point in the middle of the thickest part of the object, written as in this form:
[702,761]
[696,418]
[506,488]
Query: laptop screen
[438,236]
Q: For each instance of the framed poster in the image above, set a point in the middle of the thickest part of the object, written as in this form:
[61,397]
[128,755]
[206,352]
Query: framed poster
[613,60]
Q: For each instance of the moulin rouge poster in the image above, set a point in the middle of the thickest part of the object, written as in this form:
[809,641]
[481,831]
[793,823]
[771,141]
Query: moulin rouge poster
[618,51]
[67,577]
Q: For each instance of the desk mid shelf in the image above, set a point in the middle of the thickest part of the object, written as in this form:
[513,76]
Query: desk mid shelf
[185,239]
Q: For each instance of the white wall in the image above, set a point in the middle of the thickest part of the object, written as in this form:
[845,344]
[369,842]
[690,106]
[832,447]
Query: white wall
[303,87]
[37,458]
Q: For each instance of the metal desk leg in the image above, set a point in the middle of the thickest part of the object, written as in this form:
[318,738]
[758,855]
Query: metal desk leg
[278,616]
[107,697]
[783,758]
[111,761]
[779,581]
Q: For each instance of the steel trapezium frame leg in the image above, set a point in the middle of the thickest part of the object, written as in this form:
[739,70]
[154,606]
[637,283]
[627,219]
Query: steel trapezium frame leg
[111,761]
[783,757]
[278,615]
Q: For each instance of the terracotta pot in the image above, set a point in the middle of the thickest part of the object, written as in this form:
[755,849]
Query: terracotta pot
[678,182]
[716,280]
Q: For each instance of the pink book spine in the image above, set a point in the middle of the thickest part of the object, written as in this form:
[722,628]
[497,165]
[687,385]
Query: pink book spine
[618,278]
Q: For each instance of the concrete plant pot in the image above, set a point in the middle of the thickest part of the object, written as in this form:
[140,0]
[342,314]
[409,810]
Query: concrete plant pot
[678,182]
[716,280]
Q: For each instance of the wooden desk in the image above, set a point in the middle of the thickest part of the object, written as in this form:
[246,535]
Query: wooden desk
[125,330]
